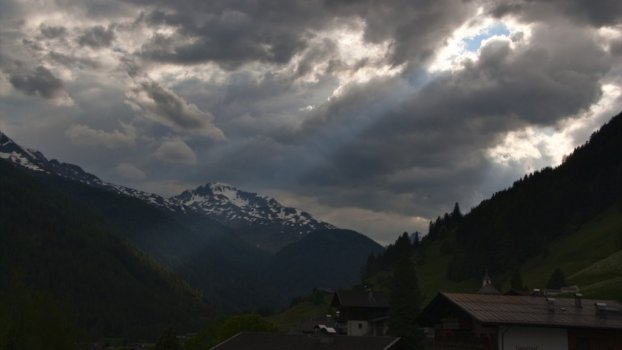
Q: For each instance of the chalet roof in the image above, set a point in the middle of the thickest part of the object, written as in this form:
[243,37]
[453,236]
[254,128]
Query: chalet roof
[276,341]
[526,311]
[358,298]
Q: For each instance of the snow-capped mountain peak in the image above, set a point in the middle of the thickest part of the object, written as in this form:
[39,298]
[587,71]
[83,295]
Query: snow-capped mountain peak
[25,158]
[237,208]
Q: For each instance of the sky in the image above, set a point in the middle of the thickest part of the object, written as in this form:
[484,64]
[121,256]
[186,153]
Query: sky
[372,115]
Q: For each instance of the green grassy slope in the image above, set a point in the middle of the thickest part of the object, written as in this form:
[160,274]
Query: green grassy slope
[431,266]
[590,258]
[432,272]
[291,318]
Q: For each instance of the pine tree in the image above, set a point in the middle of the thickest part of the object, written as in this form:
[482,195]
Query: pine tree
[370,266]
[456,213]
[416,239]
[405,304]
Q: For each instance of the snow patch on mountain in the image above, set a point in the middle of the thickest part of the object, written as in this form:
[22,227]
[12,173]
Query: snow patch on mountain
[34,160]
[237,208]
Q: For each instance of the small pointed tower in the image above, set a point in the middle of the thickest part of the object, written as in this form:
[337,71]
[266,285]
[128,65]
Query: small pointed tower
[487,287]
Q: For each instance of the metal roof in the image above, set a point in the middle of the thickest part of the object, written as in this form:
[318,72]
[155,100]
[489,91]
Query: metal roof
[276,341]
[531,310]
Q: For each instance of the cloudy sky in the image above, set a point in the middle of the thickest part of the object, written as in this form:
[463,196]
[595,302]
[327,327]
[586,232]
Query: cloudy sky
[372,115]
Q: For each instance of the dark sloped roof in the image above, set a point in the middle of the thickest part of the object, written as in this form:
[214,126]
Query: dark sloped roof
[526,311]
[359,298]
[276,341]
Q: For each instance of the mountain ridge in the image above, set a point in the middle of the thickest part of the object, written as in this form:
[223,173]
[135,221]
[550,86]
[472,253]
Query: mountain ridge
[260,219]
[235,208]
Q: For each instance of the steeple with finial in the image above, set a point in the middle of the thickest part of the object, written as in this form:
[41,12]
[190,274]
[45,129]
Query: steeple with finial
[487,287]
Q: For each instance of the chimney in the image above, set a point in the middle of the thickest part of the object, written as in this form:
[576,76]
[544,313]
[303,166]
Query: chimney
[551,304]
[577,300]
[601,309]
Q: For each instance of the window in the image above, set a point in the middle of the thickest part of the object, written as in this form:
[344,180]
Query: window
[360,325]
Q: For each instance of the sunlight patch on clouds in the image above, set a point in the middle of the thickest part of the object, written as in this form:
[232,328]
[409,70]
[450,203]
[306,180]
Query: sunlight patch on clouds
[534,147]
[348,57]
[608,35]
[170,74]
[465,43]
[529,145]
[353,50]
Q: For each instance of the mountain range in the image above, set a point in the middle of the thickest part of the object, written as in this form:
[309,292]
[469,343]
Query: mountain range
[230,245]
[257,217]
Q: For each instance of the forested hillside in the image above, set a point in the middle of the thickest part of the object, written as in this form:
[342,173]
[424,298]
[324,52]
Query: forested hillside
[342,252]
[52,247]
[504,231]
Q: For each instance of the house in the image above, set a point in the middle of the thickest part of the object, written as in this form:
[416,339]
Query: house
[361,313]
[535,322]
[278,341]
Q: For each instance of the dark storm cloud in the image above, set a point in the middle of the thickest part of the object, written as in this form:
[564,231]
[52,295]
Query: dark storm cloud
[232,33]
[597,13]
[52,32]
[73,61]
[616,48]
[416,26]
[39,81]
[166,107]
[97,37]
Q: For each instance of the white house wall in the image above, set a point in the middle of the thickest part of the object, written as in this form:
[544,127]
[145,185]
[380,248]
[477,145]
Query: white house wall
[353,327]
[527,338]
